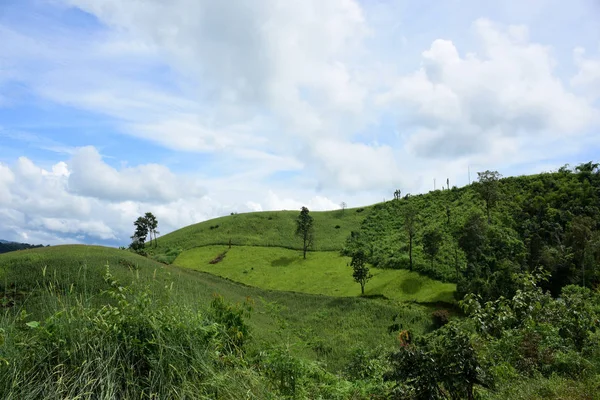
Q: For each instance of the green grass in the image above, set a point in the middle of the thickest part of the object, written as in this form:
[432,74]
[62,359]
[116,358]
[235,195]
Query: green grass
[324,273]
[273,228]
[321,327]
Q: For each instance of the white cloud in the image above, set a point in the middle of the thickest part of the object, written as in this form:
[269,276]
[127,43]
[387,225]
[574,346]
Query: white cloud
[92,177]
[465,104]
[287,104]
[41,205]
[587,79]
[356,166]
[315,203]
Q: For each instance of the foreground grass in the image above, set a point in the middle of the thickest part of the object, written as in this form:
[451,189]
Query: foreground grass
[272,228]
[317,327]
[325,273]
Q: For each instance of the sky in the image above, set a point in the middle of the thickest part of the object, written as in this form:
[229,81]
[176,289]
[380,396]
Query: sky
[194,109]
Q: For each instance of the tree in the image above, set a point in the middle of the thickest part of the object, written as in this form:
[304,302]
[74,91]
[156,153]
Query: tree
[361,272]
[138,239]
[343,206]
[586,170]
[397,194]
[144,226]
[304,229]
[152,224]
[432,240]
[411,216]
[579,236]
[489,189]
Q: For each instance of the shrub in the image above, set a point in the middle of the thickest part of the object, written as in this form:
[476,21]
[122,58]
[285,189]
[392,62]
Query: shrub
[440,318]
[134,346]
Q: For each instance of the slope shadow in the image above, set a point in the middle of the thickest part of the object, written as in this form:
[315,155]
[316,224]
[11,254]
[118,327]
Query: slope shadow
[411,285]
[283,261]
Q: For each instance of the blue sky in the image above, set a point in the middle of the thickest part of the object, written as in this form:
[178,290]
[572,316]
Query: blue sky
[194,109]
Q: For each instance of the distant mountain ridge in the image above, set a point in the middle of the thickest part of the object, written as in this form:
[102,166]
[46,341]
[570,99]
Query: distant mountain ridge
[6,246]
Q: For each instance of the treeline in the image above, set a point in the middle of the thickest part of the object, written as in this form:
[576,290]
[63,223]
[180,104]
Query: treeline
[482,235]
[6,247]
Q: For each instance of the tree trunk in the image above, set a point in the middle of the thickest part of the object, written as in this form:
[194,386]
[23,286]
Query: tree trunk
[362,288]
[410,239]
[304,246]
[456,263]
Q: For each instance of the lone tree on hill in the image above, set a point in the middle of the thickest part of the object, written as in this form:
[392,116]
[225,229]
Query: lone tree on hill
[304,229]
[138,239]
[489,189]
[411,217]
[144,226]
[361,272]
[152,224]
[397,194]
[432,239]
[343,206]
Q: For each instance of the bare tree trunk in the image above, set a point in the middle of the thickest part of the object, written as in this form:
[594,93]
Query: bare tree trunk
[304,247]
[410,239]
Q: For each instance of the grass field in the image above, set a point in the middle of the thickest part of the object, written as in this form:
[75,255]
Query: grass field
[318,327]
[276,228]
[325,273]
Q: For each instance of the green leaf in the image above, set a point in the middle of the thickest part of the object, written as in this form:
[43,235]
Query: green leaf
[33,324]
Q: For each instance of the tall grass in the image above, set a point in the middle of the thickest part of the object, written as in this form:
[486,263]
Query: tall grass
[136,346]
[322,328]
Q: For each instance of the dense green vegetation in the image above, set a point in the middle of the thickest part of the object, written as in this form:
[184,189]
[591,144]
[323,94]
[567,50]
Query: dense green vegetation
[550,219]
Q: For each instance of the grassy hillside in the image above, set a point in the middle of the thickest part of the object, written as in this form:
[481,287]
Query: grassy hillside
[267,239]
[325,328]
[269,229]
[321,273]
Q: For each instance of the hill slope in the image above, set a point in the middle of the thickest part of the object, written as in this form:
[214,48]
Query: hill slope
[337,325]
[269,229]
[550,220]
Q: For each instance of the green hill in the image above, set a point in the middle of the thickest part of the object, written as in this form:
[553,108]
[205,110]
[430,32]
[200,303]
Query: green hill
[265,254]
[269,229]
[320,322]
[549,220]
[324,272]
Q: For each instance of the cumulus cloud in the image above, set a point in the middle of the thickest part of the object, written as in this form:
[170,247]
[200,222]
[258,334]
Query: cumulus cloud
[285,103]
[92,177]
[465,104]
[587,79]
[41,205]
[356,166]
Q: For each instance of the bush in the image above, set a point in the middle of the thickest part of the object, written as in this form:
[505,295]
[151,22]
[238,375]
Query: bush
[440,318]
[133,347]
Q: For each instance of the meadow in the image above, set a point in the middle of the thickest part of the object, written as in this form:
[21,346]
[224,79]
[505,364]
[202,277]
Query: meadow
[268,229]
[318,327]
[322,272]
